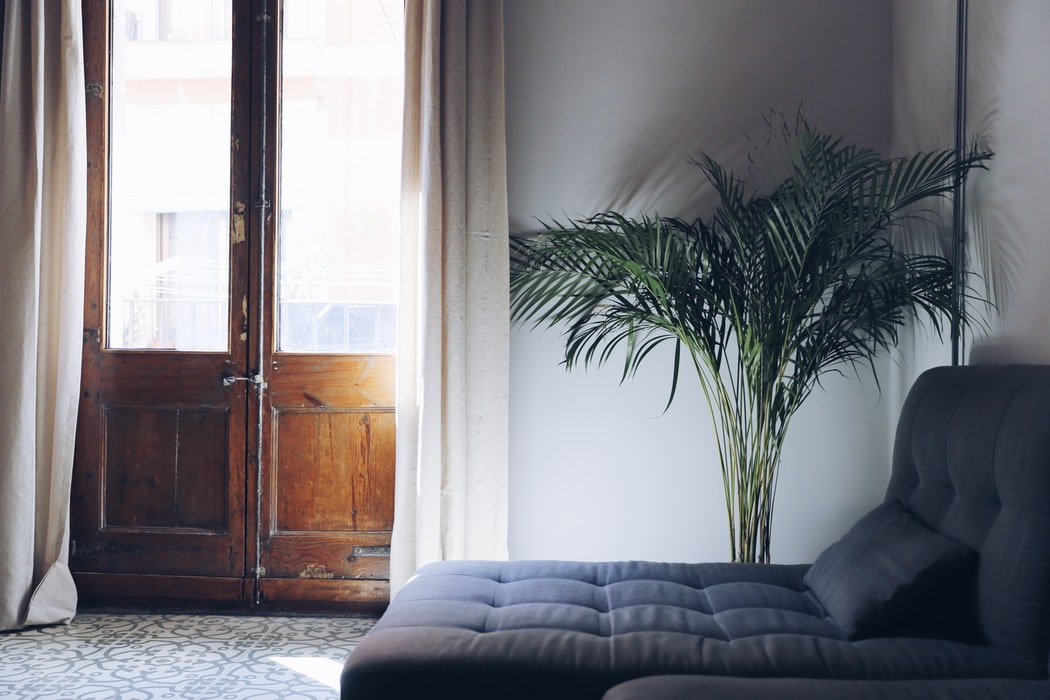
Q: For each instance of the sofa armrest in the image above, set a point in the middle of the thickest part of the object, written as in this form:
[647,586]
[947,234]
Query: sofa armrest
[733,688]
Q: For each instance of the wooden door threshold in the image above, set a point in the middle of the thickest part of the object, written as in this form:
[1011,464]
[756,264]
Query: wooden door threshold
[161,593]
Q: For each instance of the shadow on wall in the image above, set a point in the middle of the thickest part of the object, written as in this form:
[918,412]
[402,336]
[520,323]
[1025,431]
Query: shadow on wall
[1013,193]
[1007,96]
[608,99]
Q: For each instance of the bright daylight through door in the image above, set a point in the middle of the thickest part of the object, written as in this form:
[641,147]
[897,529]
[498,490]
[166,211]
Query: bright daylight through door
[339,175]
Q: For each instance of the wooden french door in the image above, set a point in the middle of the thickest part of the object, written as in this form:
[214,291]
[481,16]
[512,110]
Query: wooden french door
[236,432]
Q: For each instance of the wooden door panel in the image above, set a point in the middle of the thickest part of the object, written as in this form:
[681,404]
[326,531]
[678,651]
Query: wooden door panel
[332,470]
[331,381]
[359,595]
[136,552]
[165,467]
[162,592]
[327,556]
[139,377]
[159,481]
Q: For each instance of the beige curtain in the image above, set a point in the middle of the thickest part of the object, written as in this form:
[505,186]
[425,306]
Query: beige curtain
[451,494]
[42,222]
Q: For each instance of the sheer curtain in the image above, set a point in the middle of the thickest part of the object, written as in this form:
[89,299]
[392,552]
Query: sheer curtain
[43,172]
[451,493]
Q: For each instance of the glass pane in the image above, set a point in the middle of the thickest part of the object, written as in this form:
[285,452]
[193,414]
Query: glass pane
[340,165]
[170,174]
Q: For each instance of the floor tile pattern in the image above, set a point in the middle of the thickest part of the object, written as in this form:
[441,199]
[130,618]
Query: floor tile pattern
[196,657]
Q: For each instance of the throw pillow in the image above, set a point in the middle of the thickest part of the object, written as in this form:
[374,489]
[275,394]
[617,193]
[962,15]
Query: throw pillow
[888,573]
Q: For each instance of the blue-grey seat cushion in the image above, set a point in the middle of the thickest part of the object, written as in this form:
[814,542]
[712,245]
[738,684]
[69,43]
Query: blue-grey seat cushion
[554,630]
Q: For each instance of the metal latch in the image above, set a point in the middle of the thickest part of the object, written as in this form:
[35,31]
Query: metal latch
[229,379]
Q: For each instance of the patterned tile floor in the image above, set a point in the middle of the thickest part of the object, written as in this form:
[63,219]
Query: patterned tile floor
[199,657]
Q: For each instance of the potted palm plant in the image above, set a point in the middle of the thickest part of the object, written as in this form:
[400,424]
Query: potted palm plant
[762,297]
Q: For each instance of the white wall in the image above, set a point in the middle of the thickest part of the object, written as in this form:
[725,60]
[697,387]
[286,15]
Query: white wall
[606,99]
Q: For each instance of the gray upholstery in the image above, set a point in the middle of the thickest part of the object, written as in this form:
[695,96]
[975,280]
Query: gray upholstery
[972,461]
[723,688]
[880,578]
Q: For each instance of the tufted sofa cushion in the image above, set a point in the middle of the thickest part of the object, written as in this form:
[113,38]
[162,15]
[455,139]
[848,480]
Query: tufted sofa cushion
[723,602]
[553,630]
[972,460]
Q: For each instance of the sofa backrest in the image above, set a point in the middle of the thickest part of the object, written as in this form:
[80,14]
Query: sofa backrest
[972,460]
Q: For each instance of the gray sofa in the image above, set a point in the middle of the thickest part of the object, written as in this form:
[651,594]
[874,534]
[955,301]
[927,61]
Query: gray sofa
[942,591]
